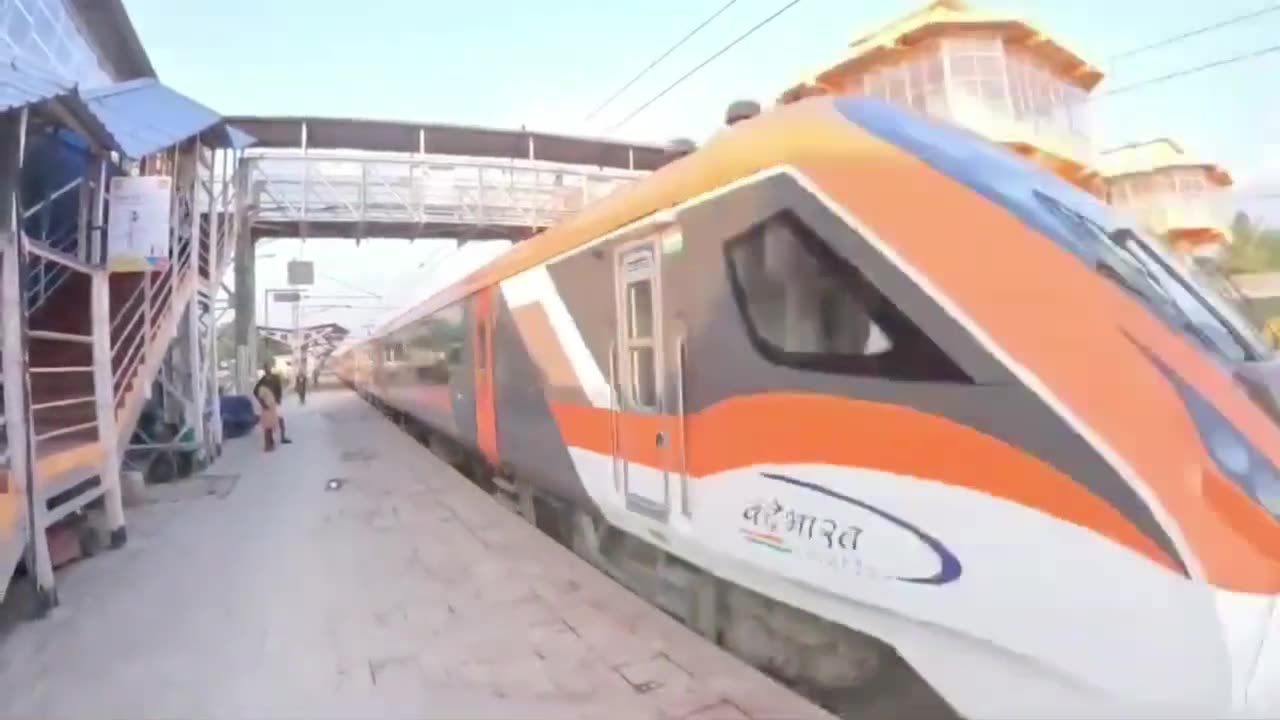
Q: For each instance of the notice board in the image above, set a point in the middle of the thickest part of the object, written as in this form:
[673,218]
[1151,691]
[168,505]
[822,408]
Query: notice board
[138,229]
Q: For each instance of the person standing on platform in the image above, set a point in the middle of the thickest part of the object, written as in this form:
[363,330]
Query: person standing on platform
[300,386]
[270,415]
[271,381]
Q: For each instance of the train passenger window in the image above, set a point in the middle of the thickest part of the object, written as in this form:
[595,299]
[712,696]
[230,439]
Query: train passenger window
[424,351]
[638,339]
[640,310]
[643,389]
[806,307]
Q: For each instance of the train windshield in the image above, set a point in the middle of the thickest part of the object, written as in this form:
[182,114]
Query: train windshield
[1074,219]
[1135,262]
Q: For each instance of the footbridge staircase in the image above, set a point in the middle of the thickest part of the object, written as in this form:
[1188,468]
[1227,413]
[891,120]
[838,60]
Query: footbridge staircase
[83,345]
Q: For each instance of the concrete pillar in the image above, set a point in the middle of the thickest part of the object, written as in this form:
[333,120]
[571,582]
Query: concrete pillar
[194,378]
[246,328]
[182,404]
[217,196]
[211,377]
[105,405]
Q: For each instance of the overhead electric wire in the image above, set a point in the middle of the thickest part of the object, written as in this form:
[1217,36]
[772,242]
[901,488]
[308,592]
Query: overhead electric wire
[703,64]
[1253,55]
[1172,40]
[1165,42]
[349,286]
[440,250]
[1181,37]
[660,58]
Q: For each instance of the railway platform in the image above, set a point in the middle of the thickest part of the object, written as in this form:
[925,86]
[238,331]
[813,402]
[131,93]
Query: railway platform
[256,589]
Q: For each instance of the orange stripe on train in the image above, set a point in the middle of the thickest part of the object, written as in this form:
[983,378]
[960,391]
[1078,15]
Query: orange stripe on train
[780,428]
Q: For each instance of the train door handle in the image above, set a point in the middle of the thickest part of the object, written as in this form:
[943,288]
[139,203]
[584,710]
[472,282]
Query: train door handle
[660,440]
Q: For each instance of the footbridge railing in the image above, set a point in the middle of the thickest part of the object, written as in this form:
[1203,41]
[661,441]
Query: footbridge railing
[318,177]
[362,193]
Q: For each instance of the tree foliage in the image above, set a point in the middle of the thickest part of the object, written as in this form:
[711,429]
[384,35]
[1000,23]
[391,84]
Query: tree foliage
[1253,248]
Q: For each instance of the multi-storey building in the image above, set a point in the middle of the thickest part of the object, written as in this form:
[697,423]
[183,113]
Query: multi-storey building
[1185,199]
[994,74]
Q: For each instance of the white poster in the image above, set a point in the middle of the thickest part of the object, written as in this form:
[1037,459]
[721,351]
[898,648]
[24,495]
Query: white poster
[138,228]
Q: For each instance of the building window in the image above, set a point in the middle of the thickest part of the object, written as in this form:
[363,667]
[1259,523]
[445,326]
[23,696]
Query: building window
[918,84]
[1192,181]
[1040,97]
[977,70]
[432,345]
[806,307]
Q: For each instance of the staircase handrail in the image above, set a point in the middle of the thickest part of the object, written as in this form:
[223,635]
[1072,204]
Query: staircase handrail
[61,258]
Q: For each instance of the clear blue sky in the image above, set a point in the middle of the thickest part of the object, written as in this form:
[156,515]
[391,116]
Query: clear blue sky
[546,63]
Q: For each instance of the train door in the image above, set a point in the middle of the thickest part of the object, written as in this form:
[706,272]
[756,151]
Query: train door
[642,436]
[482,330]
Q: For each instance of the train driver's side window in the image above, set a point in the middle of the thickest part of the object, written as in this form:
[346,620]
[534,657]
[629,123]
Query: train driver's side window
[805,306]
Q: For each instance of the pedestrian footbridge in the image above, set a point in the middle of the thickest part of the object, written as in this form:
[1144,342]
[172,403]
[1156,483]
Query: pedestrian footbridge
[317,177]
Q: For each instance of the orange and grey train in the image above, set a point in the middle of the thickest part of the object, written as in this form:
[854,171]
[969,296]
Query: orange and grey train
[887,411]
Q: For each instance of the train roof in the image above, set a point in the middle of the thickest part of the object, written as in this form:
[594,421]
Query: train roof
[785,135]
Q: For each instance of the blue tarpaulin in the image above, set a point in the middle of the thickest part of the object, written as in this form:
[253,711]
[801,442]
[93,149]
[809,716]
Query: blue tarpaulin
[238,415]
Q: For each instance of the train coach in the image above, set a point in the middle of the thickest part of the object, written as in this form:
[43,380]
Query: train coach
[900,418]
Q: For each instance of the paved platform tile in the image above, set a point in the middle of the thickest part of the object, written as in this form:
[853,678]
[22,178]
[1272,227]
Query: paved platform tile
[405,593]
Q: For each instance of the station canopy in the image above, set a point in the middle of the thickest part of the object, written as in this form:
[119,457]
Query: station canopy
[134,118]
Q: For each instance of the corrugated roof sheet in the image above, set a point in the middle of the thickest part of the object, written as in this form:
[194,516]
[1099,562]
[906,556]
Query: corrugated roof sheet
[21,86]
[238,139]
[135,118]
[144,116]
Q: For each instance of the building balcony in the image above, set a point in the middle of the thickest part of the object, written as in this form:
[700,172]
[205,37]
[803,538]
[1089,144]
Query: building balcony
[994,74]
[997,122]
[1173,193]
[1195,218]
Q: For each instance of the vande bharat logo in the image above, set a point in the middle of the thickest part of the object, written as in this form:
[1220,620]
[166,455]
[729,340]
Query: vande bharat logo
[868,547]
